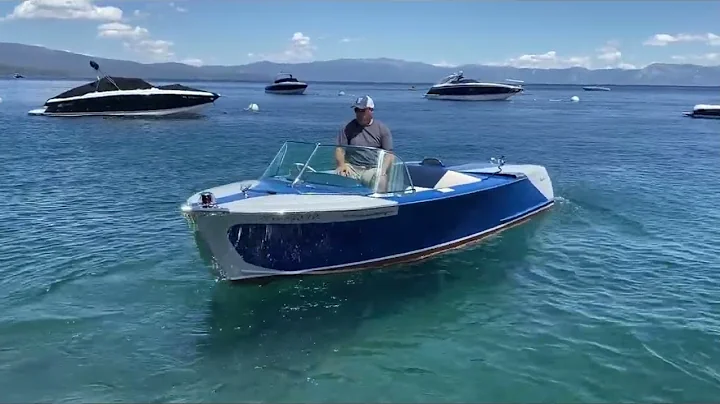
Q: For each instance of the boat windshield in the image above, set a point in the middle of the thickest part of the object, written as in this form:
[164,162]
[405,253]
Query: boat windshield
[315,166]
[448,79]
[452,78]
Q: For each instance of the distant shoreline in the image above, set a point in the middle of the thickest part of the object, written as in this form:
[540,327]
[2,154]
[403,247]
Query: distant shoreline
[40,63]
[420,85]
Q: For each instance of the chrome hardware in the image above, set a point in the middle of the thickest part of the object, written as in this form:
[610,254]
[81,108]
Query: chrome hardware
[498,161]
[207,200]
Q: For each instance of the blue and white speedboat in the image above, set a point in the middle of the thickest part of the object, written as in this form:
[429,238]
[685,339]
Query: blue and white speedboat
[301,217]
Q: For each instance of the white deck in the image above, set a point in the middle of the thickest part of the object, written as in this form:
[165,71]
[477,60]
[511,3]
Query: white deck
[707,107]
[281,203]
[297,209]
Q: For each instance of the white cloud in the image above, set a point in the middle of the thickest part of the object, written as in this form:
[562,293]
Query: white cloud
[548,60]
[120,30]
[178,8]
[607,56]
[609,53]
[665,39]
[156,49]
[137,39]
[300,49]
[192,62]
[65,10]
[140,14]
[444,64]
[348,40]
[708,59]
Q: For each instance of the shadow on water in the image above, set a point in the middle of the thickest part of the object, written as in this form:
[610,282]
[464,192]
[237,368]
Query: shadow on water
[174,117]
[277,322]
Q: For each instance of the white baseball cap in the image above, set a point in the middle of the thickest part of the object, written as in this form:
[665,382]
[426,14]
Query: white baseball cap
[364,102]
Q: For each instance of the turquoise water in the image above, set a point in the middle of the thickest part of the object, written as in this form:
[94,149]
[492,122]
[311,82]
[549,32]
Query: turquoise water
[610,296]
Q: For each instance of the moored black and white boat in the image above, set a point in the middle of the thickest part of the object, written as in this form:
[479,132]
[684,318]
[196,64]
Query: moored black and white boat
[302,216]
[596,88]
[125,96]
[706,111]
[456,87]
[285,83]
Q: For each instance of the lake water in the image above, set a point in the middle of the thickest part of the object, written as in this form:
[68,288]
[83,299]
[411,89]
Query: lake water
[612,295]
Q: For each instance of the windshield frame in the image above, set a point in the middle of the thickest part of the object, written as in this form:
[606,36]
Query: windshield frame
[301,170]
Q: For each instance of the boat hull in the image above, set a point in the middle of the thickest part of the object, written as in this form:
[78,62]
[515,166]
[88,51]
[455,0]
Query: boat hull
[151,113]
[144,102]
[701,116]
[472,92]
[286,90]
[476,97]
[372,232]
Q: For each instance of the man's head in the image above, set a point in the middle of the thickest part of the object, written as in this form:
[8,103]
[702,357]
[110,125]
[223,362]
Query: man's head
[364,107]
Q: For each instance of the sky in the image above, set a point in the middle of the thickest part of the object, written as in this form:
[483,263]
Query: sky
[537,34]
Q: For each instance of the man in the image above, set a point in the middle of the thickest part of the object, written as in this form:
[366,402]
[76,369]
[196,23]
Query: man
[367,131]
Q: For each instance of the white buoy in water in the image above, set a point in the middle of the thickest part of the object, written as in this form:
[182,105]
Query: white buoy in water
[341,92]
[0,100]
[574,98]
[252,107]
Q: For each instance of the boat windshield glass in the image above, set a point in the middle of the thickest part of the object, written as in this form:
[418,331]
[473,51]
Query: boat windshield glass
[366,170]
[452,78]
[448,79]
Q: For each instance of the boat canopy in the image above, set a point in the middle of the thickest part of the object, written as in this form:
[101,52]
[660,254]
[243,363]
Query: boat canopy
[285,78]
[123,83]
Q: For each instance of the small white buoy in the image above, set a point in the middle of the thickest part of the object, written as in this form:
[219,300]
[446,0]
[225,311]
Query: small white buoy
[341,92]
[574,98]
[0,100]
[252,107]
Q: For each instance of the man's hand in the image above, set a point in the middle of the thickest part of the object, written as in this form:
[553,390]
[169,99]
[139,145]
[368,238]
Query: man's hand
[344,170]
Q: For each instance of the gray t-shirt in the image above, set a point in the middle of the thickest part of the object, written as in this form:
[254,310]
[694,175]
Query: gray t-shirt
[374,135]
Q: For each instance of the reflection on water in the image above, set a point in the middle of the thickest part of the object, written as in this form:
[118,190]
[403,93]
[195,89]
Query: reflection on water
[287,321]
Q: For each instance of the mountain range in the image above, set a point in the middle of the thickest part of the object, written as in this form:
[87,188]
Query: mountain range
[39,62]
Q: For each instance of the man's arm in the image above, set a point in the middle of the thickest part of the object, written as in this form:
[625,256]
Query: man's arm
[386,143]
[339,151]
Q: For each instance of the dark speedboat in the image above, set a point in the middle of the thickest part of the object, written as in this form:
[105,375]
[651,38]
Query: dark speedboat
[123,96]
[456,87]
[285,83]
[596,88]
[706,111]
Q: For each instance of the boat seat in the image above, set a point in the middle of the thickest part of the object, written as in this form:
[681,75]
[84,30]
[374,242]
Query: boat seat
[436,176]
